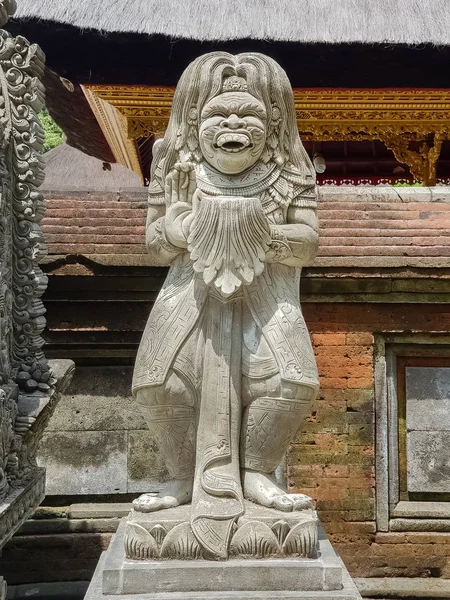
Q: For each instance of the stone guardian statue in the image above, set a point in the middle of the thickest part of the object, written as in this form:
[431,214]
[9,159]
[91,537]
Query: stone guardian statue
[225,371]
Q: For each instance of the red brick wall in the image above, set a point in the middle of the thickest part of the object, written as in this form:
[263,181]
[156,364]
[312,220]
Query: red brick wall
[332,459]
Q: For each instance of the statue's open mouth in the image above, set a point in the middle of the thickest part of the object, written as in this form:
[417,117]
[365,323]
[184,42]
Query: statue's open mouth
[233,142]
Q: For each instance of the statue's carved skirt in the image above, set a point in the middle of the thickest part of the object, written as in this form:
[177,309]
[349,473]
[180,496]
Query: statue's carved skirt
[215,344]
[273,328]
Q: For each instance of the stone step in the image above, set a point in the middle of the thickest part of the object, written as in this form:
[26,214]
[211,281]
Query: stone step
[348,592]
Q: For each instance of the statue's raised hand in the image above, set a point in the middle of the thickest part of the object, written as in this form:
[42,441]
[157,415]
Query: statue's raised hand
[180,187]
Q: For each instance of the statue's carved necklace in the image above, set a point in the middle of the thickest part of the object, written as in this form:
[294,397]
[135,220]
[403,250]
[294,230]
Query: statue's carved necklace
[249,183]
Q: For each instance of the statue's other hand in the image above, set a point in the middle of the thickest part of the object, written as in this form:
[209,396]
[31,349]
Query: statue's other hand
[279,248]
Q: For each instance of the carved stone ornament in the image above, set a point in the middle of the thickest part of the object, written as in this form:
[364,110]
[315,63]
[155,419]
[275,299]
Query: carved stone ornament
[7,9]
[28,385]
[225,372]
[259,533]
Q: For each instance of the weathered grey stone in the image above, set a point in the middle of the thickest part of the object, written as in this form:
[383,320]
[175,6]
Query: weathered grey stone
[29,386]
[381,194]
[88,462]
[425,452]
[428,465]
[67,590]
[440,194]
[428,398]
[31,418]
[432,262]
[145,467]
[99,511]
[98,399]
[53,526]
[123,576]
[422,510]
[442,525]
[232,575]
[404,587]
[382,433]
[225,371]
[50,512]
[330,193]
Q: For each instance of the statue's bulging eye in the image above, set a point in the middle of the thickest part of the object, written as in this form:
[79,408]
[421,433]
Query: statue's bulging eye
[216,115]
[253,114]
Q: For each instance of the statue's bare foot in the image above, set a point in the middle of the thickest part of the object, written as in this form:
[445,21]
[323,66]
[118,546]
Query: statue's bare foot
[262,489]
[175,493]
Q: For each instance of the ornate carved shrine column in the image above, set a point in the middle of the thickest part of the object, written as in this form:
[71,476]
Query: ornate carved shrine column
[29,385]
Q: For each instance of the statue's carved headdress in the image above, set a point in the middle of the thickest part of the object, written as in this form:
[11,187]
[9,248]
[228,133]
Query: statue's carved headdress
[219,72]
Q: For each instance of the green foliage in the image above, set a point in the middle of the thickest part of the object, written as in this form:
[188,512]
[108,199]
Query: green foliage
[54,135]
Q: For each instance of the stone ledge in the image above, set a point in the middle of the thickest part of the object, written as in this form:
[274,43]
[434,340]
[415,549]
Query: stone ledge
[143,260]
[56,526]
[67,590]
[422,510]
[404,587]
[101,510]
[413,525]
[327,193]
[383,193]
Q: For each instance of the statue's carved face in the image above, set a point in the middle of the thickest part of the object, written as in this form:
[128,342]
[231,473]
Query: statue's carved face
[233,129]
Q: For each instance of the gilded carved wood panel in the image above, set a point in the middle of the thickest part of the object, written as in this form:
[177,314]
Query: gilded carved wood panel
[399,118]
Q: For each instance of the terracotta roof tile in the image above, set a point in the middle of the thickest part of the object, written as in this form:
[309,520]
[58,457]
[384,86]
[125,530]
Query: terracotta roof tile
[369,227]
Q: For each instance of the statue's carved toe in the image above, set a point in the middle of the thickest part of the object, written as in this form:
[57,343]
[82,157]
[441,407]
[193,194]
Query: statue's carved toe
[287,502]
[301,501]
[282,502]
[176,492]
[262,489]
[152,502]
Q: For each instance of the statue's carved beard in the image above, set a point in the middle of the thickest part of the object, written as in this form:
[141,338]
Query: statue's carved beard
[228,241]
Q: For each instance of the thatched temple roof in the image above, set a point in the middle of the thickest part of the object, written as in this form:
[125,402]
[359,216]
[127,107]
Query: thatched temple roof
[307,21]
[69,168]
[370,44]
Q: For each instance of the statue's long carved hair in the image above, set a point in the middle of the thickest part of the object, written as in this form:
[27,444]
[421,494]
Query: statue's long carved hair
[201,81]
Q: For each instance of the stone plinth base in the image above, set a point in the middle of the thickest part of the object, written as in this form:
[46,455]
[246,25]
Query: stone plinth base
[259,533]
[119,578]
